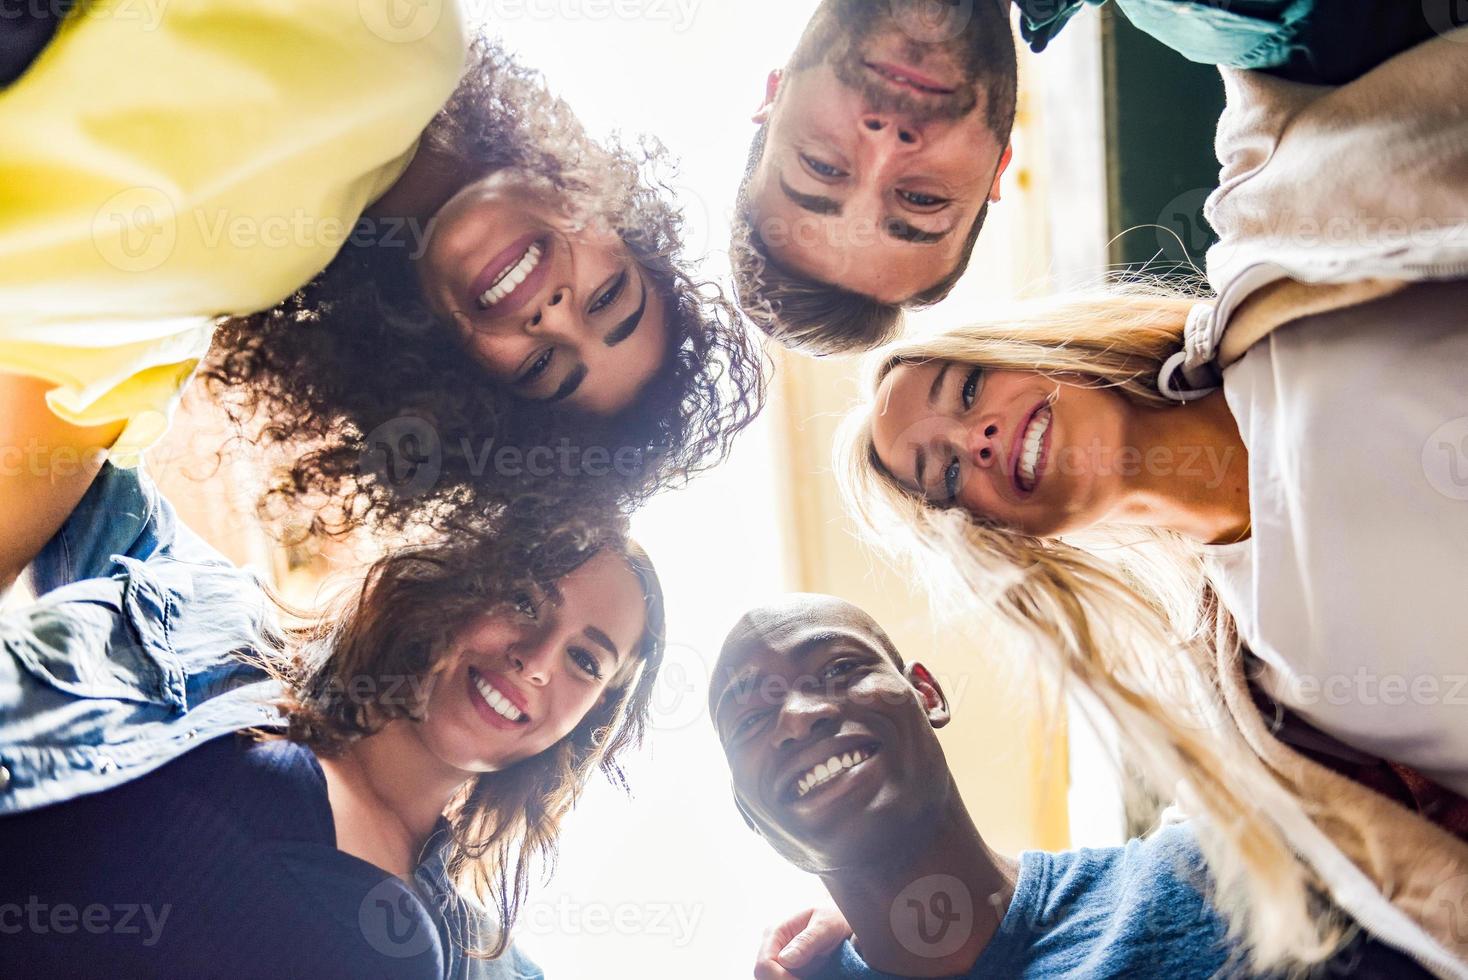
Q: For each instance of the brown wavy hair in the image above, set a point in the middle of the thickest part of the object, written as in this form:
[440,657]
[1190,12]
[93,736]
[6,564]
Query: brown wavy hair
[400,622]
[356,349]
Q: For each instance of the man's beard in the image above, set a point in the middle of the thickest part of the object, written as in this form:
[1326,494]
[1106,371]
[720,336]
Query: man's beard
[928,33]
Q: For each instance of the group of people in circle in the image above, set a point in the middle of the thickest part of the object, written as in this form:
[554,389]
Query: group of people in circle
[1204,504]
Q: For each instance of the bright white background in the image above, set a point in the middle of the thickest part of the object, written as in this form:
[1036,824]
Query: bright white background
[672,884]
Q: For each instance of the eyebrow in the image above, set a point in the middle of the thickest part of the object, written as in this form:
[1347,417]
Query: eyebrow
[569,386]
[810,202]
[894,227]
[903,231]
[920,456]
[602,640]
[628,326]
[937,387]
[746,678]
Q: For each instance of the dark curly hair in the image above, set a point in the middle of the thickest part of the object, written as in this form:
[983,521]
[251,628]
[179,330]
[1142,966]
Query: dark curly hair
[312,376]
[399,623]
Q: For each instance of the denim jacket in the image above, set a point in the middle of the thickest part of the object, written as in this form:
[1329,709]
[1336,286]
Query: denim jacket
[1257,34]
[128,659]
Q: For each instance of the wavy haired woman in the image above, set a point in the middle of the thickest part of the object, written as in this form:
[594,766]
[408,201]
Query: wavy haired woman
[384,231]
[1147,484]
[338,800]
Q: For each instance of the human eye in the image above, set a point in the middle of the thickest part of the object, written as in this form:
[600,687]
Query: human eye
[538,367]
[611,294]
[919,200]
[839,668]
[525,606]
[970,388]
[822,169]
[749,722]
[951,474]
[587,662]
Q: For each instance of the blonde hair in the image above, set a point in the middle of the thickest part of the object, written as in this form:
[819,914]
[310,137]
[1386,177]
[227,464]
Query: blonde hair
[1128,621]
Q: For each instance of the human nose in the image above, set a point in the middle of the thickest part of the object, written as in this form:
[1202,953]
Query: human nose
[983,444]
[531,660]
[804,714]
[876,126]
[556,316]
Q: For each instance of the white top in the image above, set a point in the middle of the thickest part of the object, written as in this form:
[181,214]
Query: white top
[1353,587]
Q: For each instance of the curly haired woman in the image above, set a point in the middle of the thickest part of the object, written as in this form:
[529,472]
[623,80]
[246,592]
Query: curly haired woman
[377,245]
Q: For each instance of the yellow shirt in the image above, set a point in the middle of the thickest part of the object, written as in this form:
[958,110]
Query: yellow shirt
[165,162]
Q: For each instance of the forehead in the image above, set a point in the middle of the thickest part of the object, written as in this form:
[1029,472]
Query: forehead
[605,592]
[900,407]
[779,641]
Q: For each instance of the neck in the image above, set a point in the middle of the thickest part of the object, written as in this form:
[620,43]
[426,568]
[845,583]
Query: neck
[388,792]
[431,178]
[910,917]
[1193,472]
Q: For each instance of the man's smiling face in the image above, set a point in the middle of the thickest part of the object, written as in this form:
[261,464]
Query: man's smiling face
[882,147]
[831,746]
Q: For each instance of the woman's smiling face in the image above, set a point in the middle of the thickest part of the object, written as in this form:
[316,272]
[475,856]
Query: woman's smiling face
[515,682]
[555,311]
[1024,450]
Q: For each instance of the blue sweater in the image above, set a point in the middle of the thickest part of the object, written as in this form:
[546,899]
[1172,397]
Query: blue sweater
[1137,912]
[1134,911]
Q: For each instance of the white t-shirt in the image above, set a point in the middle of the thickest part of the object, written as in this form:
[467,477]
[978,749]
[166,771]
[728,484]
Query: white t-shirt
[1353,587]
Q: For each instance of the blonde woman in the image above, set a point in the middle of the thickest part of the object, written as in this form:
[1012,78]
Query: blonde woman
[1153,486]
[1035,463]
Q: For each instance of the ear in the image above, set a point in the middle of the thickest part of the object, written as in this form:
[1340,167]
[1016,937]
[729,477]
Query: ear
[935,702]
[1004,159]
[772,89]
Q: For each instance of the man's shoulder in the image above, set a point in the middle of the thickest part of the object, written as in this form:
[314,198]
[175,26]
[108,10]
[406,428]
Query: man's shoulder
[1138,910]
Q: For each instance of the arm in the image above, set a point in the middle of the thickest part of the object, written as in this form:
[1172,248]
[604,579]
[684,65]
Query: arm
[46,467]
[801,944]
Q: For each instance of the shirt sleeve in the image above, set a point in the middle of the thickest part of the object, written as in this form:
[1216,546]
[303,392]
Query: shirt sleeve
[121,517]
[169,164]
[1041,20]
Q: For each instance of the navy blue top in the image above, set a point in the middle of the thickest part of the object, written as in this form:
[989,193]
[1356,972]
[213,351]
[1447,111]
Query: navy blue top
[222,863]
[112,686]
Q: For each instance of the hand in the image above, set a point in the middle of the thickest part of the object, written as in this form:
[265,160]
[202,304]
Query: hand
[800,945]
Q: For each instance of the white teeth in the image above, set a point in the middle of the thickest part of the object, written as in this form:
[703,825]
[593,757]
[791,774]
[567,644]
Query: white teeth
[496,700]
[1029,457]
[512,277]
[823,772]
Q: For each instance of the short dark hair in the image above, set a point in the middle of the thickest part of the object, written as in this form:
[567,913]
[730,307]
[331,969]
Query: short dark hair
[819,318]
